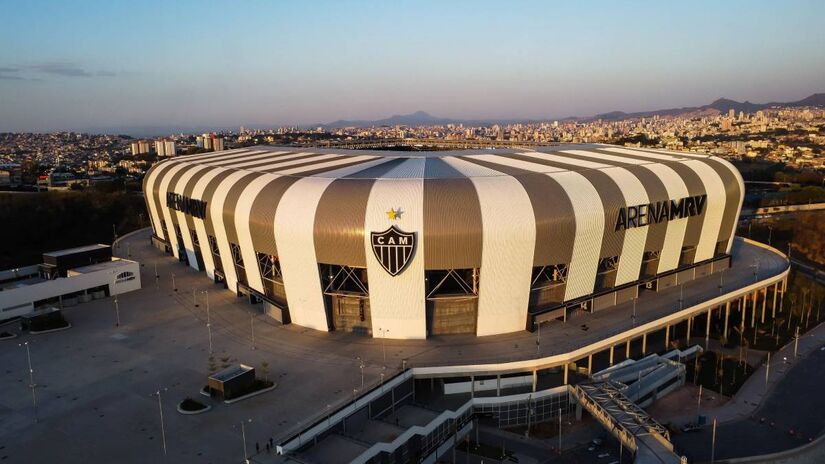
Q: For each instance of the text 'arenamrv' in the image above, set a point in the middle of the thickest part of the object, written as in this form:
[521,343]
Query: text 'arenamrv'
[186,205]
[654,213]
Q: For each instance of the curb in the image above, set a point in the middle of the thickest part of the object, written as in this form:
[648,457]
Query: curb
[250,395]
[59,329]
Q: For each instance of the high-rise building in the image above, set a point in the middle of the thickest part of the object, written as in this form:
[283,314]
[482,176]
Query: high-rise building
[731,113]
[217,143]
[140,147]
[165,147]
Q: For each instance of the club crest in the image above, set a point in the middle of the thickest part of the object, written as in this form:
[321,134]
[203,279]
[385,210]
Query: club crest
[393,248]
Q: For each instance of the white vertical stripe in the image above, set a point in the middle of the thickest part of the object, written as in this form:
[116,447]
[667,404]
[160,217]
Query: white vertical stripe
[294,237]
[647,154]
[349,170]
[675,233]
[508,242]
[589,215]
[606,157]
[242,226]
[566,160]
[200,225]
[167,212]
[741,182]
[216,214]
[328,164]
[633,246]
[714,208]
[180,188]
[516,163]
[587,244]
[150,194]
[397,303]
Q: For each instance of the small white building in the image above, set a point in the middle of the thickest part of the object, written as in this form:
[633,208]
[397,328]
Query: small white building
[26,289]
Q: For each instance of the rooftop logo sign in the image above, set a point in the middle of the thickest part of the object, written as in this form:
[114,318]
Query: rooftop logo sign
[654,213]
[186,205]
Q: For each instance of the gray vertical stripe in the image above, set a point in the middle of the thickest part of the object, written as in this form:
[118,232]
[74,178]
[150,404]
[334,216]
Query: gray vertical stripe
[231,203]
[452,222]
[262,215]
[339,222]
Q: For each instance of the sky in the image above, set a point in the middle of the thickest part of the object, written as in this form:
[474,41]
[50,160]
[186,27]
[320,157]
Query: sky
[117,64]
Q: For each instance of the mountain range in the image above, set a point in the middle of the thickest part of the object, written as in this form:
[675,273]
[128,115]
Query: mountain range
[721,105]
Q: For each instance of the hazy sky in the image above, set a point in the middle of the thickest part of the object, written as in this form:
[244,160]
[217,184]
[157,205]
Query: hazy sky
[97,64]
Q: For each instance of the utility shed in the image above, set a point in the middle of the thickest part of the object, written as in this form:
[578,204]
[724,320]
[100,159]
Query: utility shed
[232,382]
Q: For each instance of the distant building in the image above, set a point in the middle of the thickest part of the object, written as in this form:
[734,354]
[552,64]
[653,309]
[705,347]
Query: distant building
[217,144]
[140,147]
[165,147]
[210,142]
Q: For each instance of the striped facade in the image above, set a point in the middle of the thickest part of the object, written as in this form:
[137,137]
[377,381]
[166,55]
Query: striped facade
[498,234]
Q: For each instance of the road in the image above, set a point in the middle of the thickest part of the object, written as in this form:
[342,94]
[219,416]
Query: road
[796,403]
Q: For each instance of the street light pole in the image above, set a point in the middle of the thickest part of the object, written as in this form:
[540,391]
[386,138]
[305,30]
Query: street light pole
[713,444]
[361,365]
[174,287]
[162,426]
[634,311]
[32,385]
[117,306]
[243,436]
[208,321]
[538,338]
[252,326]
[559,430]
[383,333]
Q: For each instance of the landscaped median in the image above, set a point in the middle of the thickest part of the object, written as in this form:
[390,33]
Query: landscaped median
[191,407]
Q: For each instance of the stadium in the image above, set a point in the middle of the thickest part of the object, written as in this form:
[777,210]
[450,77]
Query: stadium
[415,244]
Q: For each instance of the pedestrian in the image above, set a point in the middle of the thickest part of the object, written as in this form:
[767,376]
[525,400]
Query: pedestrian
[270,443]
[257,447]
[267,448]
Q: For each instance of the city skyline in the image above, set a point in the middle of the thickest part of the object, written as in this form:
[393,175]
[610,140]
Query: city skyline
[219,65]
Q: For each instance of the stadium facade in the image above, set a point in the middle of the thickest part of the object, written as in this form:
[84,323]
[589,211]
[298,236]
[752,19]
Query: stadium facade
[411,244]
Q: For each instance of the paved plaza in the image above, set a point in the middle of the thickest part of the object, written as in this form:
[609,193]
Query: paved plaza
[95,382]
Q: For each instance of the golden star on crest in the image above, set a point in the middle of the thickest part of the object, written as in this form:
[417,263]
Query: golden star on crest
[394,214]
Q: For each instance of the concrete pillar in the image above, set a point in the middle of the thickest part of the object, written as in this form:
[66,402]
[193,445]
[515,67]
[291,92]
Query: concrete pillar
[627,349]
[727,316]
[764,303]
[644,343]
[611,355]
[754,299]
[590,364]
[535,379]
[689,323]
[775,291]
[498,385]
[667,337]
[566,370]
[473,386]
[744,311]
[707,327]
